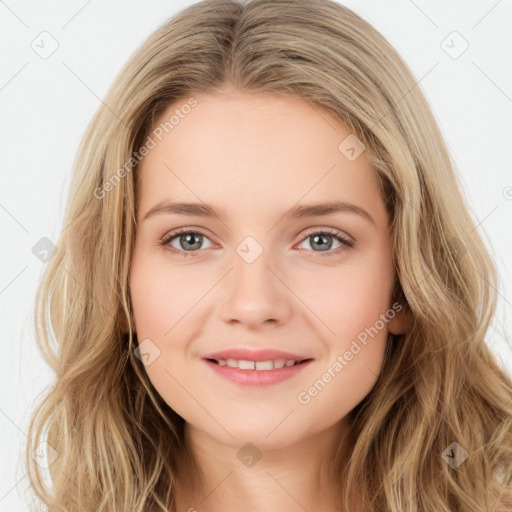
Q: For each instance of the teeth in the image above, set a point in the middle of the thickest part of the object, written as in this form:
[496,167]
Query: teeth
[256,365]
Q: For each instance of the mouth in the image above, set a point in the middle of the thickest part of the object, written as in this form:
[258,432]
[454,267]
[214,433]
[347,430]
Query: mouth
[271,364]
[257,373]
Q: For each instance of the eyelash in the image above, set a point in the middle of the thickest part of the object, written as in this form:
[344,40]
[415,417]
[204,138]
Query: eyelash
[346,242]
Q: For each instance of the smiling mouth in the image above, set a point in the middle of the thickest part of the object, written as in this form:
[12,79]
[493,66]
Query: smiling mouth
[257,365]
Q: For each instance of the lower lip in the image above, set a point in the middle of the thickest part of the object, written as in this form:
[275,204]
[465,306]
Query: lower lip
[257,377]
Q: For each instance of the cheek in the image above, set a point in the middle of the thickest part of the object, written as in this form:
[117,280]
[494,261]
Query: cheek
[353,306]
[161,295]
[352,297]
[161,300]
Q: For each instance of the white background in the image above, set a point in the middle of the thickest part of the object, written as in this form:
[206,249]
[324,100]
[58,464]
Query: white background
[47,103]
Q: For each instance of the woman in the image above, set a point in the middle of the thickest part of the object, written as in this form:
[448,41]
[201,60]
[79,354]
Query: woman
[209,358]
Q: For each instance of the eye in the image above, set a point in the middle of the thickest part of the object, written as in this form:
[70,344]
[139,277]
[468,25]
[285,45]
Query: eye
[190,241]
[322,239]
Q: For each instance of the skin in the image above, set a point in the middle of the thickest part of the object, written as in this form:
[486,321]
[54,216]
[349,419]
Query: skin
[255,156]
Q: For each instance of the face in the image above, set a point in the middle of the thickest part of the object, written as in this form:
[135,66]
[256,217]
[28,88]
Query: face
[317,286]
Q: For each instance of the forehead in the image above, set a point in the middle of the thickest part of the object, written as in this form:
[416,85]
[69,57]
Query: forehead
[251,151]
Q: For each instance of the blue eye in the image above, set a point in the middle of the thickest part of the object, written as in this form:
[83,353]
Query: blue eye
[188,239]
[319,239]
[192,240]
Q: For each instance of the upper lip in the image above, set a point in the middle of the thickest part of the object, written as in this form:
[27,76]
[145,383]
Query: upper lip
[255,355]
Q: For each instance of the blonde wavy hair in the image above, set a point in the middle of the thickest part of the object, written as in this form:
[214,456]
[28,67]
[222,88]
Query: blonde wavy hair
[117,442]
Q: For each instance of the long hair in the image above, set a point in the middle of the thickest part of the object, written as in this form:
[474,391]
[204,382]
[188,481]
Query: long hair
[434,433]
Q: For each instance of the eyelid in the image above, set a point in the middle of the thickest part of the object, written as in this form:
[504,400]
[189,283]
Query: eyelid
[309,232]
[347,241]
[180,231]
[329,231]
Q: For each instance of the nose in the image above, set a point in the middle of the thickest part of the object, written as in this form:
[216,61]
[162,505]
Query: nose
[254,294]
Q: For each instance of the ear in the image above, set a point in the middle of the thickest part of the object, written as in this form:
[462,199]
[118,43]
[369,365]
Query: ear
[401,322]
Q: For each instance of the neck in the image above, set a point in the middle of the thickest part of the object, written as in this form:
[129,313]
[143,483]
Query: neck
[217,477]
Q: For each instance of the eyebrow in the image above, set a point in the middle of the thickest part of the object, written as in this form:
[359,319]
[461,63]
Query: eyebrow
[299,211]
